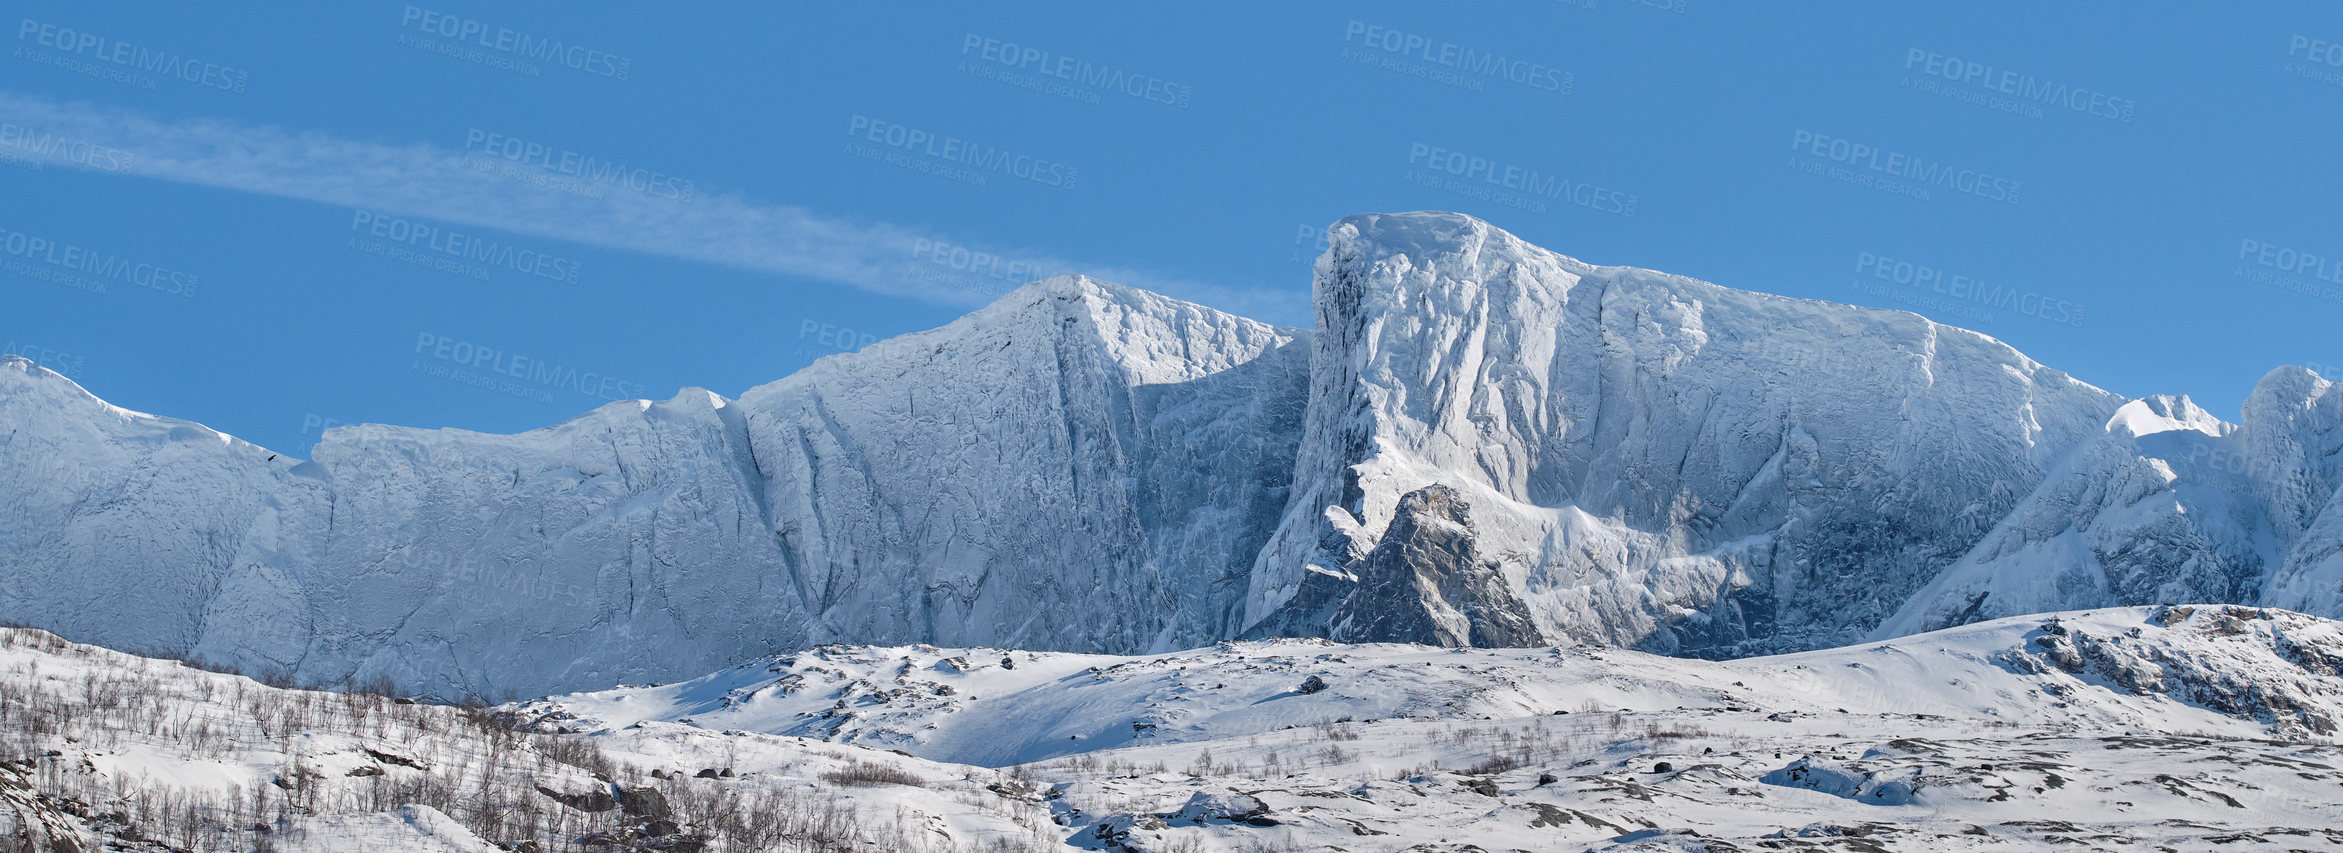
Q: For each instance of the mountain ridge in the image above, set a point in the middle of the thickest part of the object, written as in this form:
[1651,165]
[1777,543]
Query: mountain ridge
[1645,460]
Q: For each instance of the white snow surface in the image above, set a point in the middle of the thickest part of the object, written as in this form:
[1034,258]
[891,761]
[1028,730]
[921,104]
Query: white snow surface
[998,708]
[413,829]
[2182,728]
[1650,462]
[2126,728]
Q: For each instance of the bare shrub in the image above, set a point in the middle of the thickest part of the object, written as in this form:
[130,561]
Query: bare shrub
[871,773]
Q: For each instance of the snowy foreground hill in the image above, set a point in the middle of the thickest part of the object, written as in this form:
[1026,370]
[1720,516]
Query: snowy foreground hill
[2175,728]
[1480,442]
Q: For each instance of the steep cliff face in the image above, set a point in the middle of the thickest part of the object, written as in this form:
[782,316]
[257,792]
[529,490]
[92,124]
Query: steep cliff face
[1080,466]
[2294,452]
[117,524]
[612,547]
[1658,462]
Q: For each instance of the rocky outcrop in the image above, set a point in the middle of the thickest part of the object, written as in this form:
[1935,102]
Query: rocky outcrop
[31,821]
[2263,664]
[1427,582]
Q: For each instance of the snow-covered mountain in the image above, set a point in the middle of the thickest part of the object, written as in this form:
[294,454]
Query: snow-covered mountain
[1078,466]
[1481,442]
[1649,460]
[2169,504]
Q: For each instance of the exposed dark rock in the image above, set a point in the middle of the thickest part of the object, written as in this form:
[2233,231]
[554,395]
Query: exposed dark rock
[2209,674]
[1229,806]
[393,758]
[39,824]
[1426,582]
[598,800]
[1116,833]
[646,803]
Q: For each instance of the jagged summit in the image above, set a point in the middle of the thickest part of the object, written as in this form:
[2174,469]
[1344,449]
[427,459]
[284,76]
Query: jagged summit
[1479,441]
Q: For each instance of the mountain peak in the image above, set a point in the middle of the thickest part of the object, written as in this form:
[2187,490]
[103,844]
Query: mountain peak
[1424,239]
[1427,232]
[2287,385]
[1075,298]
[2164,413]
[57,389]
[1418,230]
[32,370]
[1073,285]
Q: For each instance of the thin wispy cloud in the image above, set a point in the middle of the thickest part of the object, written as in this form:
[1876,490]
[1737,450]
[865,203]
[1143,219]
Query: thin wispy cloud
[471,188]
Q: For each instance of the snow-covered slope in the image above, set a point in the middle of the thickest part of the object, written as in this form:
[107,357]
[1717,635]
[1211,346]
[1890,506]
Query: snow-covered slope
[2239,671]
[2142,513]
[1482,442]
[2191,727]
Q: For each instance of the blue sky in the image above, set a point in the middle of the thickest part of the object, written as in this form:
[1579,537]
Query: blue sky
[313,214]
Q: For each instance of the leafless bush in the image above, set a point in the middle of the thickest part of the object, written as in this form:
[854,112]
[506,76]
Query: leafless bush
[1494,765]
[1335,730]
[871,773]
[1656,730]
